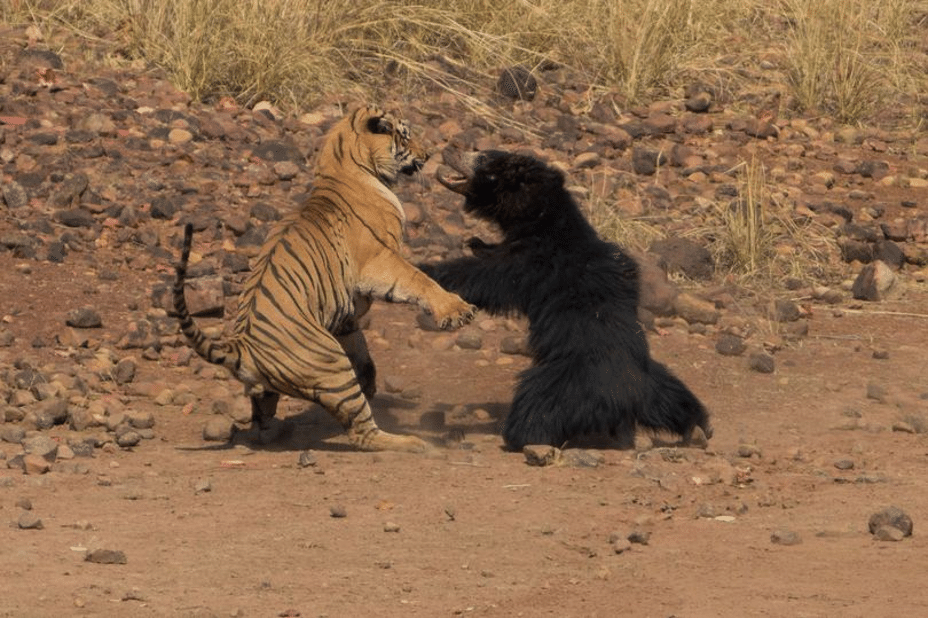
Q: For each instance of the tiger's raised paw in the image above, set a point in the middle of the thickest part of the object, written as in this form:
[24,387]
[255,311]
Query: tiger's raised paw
[457,314]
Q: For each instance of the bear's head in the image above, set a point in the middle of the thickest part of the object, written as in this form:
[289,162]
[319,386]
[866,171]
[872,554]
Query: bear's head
[505,188]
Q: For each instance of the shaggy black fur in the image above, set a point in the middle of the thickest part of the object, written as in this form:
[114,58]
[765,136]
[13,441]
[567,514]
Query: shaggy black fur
[592,372]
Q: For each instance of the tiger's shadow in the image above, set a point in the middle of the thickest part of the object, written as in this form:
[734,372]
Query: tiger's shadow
[440,424]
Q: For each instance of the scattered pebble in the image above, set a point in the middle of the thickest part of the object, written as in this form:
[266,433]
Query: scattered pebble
[29,521]
[892,517]
[105,556]
[785,537]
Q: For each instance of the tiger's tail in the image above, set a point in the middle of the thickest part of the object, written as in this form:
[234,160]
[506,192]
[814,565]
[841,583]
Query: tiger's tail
[219,352]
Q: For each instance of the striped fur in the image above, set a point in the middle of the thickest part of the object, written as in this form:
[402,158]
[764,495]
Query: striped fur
[296,332]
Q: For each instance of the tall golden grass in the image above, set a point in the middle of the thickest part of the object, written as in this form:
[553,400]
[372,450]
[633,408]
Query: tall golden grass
[841,57]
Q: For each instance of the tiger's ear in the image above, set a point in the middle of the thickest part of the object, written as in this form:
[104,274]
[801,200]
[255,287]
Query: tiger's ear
[380,124]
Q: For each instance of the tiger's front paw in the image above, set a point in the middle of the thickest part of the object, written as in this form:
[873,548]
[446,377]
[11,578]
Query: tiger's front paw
[453,312]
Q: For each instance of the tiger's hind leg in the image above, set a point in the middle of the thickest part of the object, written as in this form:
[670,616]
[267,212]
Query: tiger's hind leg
[325,374]
[355,346]
[338,390]
[263,409]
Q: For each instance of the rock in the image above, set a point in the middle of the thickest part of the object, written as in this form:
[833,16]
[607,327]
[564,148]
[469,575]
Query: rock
[391,527]
[580,458]
[786,311]
[85,317]
[307,459]
[128,438]
[684,255]
[620,546]
[515,345]
[875,282]
[469,340]
[205,296]
[141,420]
[730,345]
[785,537]
[893,517]
[105,556]
[645,161]
[338,511]
[218,429]
[29,521]
[541,454]
[761,362]
[124,372]
[41,445]
[35,464]
[279,151]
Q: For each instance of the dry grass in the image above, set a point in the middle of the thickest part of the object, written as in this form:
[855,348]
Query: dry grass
[840,56]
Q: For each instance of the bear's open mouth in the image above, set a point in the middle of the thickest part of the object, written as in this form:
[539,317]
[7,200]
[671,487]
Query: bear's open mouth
[457,170]
[451,179]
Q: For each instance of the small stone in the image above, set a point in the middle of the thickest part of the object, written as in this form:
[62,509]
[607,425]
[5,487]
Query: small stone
[128,438]
[748,450]
[179,136]
[844,464]
[218,429]
[35,464]
[85,317]
[29,521]
[541,454]
[785,537]
[620,546]
[338,511]
[730,345]
[640,537]
[891,516]
[141,420]
[580,458]
[286,170]
[786,311]
[391,527]
[761,362]
[514,345]
[877,392]
[875,282]
[307,459]
[124,371]
[202,486]
[43,446]
[105,556]
[469,341]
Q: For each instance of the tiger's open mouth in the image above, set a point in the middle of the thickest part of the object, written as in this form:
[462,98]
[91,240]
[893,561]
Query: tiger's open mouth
[457,170]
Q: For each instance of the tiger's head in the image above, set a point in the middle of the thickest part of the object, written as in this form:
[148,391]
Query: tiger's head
[381,144]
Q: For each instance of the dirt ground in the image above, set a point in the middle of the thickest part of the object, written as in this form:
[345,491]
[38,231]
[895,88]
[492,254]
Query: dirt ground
[803,455]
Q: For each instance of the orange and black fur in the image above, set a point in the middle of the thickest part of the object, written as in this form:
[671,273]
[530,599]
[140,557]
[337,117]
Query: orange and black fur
[296,332]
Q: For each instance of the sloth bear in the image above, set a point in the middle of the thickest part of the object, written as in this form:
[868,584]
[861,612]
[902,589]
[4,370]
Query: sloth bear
[592,372]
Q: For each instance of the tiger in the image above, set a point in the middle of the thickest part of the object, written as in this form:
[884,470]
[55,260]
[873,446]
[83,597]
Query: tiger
[297,331]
